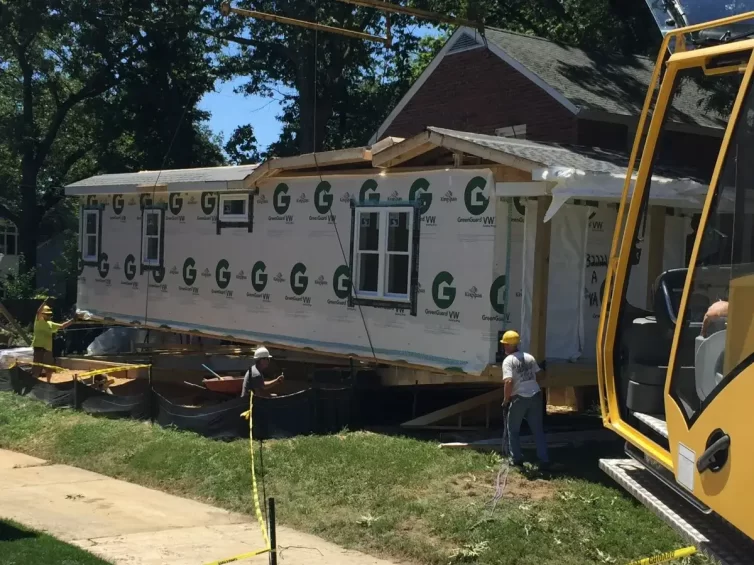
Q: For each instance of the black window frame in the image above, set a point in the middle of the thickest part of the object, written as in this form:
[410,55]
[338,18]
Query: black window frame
[162,209]
[99,208]
[413,291]
[249,223]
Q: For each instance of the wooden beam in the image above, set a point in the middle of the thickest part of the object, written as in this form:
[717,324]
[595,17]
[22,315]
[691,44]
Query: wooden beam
[478,150]
[275,167]
[14,324]
[538,330]
[655,246]
[456,409]
[403,151]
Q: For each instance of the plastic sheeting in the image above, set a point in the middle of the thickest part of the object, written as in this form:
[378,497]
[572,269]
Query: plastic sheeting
[22,383]
[565,303]
[9,357]
[95,402]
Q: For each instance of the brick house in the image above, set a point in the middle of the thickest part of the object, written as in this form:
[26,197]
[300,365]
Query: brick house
[522,86]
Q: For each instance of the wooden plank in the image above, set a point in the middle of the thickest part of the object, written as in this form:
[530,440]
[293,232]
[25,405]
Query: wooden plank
[538,330]
[14,324]
[478,150]
[655,246]
[456,409]
[404,151]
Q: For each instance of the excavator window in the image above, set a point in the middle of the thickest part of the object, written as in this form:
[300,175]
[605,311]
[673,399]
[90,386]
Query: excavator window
[724,272]
[657,271]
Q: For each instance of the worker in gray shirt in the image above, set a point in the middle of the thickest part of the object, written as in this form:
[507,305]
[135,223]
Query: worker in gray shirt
[254,378]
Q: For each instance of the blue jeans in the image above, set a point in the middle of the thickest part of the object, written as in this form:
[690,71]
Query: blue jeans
[531,409]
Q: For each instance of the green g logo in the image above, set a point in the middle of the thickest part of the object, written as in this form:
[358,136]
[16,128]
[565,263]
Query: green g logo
[258,276]
[299,280]
[222,274]
[158,275]
[341,282]
[207,202]
[189,271]
[118,204]
[145,200]
[419,190]
[103,266]
[280,199]
[443,291]
[497,294]
[175,203]
[322,197]
[129,267]
[474,198]
[369,186]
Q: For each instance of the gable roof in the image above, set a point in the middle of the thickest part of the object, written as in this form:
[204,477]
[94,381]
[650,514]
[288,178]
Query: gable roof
[616,84]
[583,82]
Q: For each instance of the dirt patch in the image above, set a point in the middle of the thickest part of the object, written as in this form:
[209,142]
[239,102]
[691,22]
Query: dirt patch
[515,486]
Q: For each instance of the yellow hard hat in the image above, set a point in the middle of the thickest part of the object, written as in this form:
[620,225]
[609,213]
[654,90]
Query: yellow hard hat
[511,338]
[46,309]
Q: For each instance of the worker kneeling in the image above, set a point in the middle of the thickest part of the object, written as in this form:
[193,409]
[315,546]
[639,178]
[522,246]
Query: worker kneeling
[523,399]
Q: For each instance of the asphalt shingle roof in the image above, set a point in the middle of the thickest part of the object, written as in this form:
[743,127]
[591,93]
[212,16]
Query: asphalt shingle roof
[171,176]
[587,159]
[611,83]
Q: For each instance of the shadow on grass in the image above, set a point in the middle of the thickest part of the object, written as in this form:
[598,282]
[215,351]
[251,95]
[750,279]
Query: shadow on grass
[9,532]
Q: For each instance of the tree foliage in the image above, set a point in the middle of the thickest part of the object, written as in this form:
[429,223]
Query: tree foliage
[94,86]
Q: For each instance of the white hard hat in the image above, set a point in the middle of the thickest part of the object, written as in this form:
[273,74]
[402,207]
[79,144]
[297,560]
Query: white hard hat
[262,353]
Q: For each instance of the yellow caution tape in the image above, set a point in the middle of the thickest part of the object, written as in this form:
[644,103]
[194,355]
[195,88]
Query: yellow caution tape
[111,370]
[239,557]
[255,496]
[665,557]
[88,373]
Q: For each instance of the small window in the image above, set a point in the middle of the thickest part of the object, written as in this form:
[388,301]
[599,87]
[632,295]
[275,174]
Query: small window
[90,235]
[8,238]
[517,131]
[151,241]
[383,257]
[236,211]
[234,208]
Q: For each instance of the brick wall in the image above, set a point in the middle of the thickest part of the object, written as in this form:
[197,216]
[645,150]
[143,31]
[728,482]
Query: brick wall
[477,92]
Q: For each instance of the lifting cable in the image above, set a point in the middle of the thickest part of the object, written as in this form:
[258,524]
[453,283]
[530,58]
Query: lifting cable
[319,174]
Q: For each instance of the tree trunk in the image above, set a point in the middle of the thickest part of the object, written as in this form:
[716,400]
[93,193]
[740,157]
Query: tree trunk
[29,217]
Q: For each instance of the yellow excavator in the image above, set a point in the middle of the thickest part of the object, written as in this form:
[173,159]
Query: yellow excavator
[676,373]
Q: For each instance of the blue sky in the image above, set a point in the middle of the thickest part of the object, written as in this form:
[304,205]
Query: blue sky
[229,110]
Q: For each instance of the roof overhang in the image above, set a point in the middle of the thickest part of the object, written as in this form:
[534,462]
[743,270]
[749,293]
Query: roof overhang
[565,183]
[428,140]
[278,166]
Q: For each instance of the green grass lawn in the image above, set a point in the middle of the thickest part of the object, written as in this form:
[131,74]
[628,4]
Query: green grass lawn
[21,546]
[389,496]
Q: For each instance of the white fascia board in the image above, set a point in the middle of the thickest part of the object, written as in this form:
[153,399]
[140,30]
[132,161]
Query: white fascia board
[212,186]
[420,82]
[522,189]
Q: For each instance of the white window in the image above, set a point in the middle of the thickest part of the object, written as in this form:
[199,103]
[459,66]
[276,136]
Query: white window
[383,253]
[151,237]
[90,241]
[8,238]
[234,208]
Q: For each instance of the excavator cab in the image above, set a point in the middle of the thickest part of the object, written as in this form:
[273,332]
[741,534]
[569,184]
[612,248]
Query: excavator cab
[677,388]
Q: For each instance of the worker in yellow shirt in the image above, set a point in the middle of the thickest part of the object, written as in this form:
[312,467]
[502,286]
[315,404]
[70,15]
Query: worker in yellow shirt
[44,329]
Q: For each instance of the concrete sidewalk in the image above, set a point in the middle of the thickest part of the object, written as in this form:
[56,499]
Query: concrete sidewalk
[129,524]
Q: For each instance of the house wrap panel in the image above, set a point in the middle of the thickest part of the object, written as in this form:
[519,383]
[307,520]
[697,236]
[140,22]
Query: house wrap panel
[287,282]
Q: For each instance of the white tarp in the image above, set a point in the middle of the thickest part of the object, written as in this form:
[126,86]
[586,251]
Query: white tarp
[573,183]
[565,299]
[10,357]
